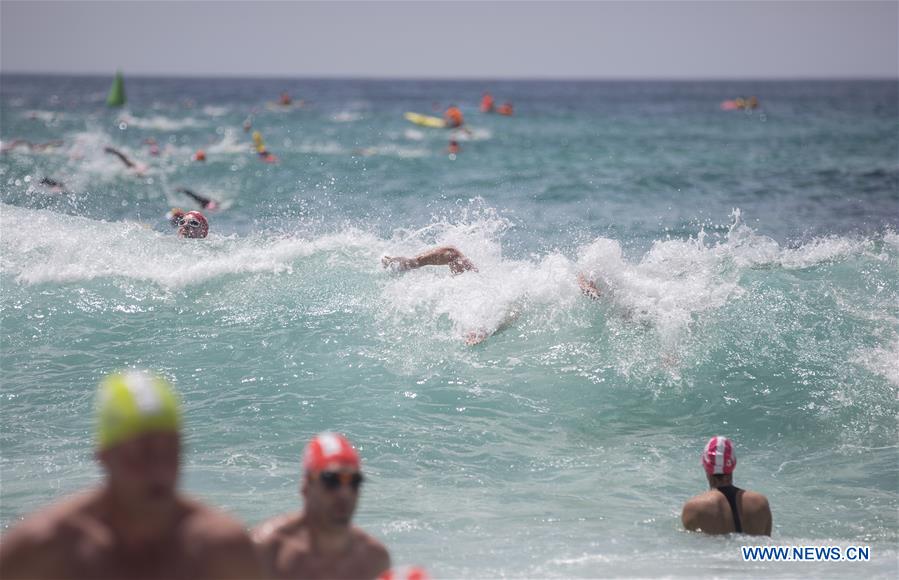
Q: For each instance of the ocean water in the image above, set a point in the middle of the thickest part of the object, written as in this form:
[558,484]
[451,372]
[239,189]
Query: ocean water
[748,261]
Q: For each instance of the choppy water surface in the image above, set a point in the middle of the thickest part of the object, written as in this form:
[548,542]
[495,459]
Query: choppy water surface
[749,264]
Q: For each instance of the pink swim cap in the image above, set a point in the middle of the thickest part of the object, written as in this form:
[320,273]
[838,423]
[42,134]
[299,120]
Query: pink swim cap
[718,456]
[329,450]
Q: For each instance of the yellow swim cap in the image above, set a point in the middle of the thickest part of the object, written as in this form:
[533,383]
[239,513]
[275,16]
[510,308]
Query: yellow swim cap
[133,402]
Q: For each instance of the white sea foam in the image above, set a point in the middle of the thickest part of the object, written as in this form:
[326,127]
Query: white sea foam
[78,249]
[346,117]
[160,123]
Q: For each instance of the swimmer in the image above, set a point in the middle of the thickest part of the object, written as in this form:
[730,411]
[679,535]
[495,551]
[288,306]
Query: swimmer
[505,109]
[31,146]
[442,256]
[261,149]
[487,104]
[205,202]
[453,147]
[725,509]
[200,155]
[138,168]
[193,224]
[53,185]
[453,117]
[135,522]
[284,100]
[153,145]
[174,216]
[321,541]
[588,287]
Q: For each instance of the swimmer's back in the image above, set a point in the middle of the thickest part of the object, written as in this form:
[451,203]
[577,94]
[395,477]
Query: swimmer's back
[710,512]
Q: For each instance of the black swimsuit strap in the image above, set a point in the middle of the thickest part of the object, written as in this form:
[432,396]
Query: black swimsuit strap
[730,493]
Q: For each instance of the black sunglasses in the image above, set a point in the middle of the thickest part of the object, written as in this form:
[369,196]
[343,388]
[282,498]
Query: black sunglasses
[194,223]
[332,480]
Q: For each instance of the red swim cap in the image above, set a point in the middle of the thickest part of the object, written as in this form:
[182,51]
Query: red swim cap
[718,457]
[329,449]
[408,573]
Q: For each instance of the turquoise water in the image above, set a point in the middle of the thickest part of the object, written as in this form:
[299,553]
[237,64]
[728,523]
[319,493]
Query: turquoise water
[749,264]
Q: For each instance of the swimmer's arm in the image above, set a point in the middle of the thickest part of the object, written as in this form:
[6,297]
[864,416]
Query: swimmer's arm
[690,517]
[128,163]
[204,201]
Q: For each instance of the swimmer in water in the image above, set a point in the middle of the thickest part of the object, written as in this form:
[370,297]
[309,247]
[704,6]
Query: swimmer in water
[193,224]
[725,509]
[135,519]
[320,541]
[138,168]
[53,185]
[205,202]
[442,256]
[588,287]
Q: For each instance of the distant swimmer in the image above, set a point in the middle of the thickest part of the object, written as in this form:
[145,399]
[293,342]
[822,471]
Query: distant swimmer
[153,146]
[505,109]
[442,256]
[588,287]
[53,185]
[15,143]
[261,149]
[725,509]
[135,523]
[193,224]
[200,155]
[174,216]
[205,202]
[453,147]
[453,117]
[285,99]
[487,103]
[138,168]
[321,541]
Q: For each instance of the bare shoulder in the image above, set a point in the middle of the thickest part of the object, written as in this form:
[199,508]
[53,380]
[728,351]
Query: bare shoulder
[211,528]
[699,507]
[272,529]
[220,541]
[756,502]
[42,540]
[375,550]
[704,500]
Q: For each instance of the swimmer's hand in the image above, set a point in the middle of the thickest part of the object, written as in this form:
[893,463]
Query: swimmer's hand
[397,263]
[588,287]
[474,337]
[461,264]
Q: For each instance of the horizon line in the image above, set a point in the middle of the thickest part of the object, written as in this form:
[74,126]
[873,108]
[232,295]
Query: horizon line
[342,77]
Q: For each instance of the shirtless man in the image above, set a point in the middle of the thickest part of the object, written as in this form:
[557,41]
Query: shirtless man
[135,523]
[725,509]
[320,541]
[442,256]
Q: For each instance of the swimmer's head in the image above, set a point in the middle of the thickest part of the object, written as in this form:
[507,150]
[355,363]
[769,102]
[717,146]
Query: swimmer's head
[193,224]
[200,155]
[330,452]
[331,481]
[132,403]
[718,456]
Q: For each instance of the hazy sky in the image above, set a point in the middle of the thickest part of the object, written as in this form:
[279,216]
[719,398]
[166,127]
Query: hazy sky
[633,39]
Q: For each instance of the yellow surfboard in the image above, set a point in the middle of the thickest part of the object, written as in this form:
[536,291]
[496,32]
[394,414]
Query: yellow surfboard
[425,120]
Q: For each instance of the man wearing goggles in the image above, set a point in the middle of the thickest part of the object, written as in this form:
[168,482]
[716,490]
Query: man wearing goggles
[192,224]
[320,541]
